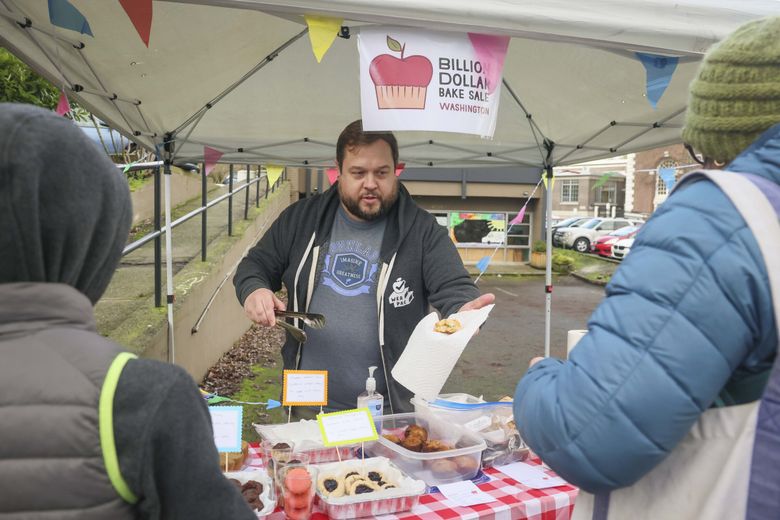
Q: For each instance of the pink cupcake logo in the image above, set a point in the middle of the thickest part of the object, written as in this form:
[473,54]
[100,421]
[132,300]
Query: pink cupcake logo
[400,82]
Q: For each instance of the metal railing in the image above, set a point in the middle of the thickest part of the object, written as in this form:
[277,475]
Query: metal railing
[159,229]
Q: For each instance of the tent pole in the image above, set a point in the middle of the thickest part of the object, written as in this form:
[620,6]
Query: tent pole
[169,247]
[548,267]
[548,286]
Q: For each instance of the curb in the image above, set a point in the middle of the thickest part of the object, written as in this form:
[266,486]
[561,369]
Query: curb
[588,280]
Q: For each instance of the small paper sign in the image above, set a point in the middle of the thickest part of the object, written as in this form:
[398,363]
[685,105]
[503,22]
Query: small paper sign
[347,427]
[305,388]
[530,476]
[226,422]
[465,493]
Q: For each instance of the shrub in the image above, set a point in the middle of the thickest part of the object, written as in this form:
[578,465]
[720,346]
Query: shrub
[562,262]
[540,246]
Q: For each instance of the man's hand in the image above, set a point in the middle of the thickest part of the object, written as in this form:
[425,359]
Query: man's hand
[259,307]
[534,361]
[478,303]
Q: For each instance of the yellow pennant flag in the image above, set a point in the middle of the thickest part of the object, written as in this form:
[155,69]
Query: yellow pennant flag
[544,180]
[322,32]
[274,172]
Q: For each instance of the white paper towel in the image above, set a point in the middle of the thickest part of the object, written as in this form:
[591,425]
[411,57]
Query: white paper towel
[430,356]
[572,338]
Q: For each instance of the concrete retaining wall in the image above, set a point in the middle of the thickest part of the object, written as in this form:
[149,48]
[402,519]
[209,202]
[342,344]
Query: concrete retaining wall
[184,186]
[224,323]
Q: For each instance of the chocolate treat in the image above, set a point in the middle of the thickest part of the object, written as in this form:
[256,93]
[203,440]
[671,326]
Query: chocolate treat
[392,438]
[280,446]
[413,443]
[416,430]
[375,476]
[435,446]
[253,484]
[250,494]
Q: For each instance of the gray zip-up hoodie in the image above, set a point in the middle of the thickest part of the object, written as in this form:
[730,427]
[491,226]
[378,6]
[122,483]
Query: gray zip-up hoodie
[64,219]
[420,268]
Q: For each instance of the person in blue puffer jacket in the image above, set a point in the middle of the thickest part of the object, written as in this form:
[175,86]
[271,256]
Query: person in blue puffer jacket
[688,321]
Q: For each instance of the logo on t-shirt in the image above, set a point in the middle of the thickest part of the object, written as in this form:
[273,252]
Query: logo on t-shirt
[402,295]
[350,273]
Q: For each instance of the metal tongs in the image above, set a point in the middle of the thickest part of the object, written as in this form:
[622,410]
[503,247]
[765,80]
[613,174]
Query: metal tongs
[315,321]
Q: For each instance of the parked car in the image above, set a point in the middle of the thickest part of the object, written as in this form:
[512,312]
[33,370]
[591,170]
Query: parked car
[602,246]
[580,238]
[622,247]
[568,223]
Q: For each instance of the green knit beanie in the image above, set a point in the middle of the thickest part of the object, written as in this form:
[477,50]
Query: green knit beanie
[736,95]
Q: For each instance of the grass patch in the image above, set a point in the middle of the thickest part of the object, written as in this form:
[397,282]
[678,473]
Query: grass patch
[256,388]
[591,267]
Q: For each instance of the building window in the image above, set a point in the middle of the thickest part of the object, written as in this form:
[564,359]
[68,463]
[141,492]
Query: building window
[606,193]
[660,184]
[570,190]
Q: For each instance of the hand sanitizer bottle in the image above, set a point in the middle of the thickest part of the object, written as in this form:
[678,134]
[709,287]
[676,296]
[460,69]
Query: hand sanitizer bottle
[370,399]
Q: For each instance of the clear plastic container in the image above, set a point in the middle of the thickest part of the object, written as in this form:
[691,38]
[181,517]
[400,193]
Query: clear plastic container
[306,437]
[491,423]
[463,462]
[403,497]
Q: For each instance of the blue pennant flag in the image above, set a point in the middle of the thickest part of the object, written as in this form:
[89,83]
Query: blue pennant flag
[659,74]
[63,14]
[668,176]
[482,265]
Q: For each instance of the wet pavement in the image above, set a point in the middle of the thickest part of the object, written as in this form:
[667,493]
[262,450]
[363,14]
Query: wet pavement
[498,356]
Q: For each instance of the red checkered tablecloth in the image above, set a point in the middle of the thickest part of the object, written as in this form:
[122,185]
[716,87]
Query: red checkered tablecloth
[513,501]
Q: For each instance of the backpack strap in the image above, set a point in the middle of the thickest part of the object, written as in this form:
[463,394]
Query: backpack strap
[758,201]
[106,421]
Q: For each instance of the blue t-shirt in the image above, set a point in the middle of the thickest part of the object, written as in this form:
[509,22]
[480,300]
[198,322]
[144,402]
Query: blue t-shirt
[346,295]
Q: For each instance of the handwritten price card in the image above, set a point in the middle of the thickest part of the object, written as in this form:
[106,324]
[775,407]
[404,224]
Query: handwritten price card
[347,427]
[226,423]
[305,388]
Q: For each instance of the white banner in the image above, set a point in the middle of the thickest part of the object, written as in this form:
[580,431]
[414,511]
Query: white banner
[428,80]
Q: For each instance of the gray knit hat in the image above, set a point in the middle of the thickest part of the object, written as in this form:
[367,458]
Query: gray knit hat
[736,94]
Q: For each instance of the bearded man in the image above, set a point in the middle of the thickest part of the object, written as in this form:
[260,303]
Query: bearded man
[368,258]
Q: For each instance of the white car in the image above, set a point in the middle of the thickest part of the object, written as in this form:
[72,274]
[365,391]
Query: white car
[621,248]
[580,237]
[494,237]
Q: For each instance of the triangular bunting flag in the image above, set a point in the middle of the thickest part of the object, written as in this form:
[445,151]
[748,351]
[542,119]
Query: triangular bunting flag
[274,172]
[322,31]
[490,51]
[604,178]
[140,13]
[333,174]
[63,14]
[669,176]
[544,180]
[63,106]
[659,74]
[519,218]
[398,169]
[210,157]
[483,263]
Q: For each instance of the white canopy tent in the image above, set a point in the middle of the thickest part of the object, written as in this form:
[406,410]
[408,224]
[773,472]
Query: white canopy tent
[240,76]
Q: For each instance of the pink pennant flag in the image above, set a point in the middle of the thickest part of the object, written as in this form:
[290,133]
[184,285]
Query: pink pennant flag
[63,107]
[210,157]
[519,218]
[332,174]
[491,51]
[399,168]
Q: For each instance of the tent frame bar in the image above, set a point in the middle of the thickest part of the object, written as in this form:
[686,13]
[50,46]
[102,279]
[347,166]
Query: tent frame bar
[265,61]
